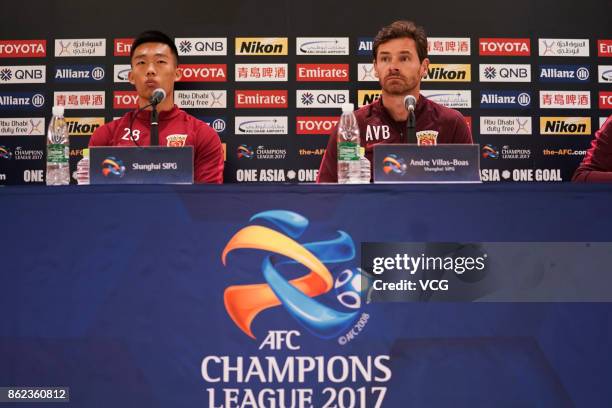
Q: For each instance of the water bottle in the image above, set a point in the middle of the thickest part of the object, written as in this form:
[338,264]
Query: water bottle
[348,146]
[81,175]
[58,151]
[364,165]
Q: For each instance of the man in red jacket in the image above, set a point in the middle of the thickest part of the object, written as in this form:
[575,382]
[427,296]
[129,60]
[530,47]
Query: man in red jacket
[400,62]
[154,60]
[597,164]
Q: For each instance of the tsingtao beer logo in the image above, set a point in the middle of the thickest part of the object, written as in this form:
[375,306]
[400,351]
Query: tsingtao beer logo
[448,46]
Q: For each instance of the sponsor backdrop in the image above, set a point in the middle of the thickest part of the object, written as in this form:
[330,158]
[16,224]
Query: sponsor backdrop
[532,79]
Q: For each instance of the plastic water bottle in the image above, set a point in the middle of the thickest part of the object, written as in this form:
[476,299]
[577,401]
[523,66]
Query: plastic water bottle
[81,175]
[349,166]
[58,150]
[364,165]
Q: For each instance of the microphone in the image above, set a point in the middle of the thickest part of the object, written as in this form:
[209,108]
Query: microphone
[157,96]
[410,103]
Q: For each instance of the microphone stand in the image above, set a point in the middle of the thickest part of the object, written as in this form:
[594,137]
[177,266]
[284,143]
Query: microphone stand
[411,127]
[154,129]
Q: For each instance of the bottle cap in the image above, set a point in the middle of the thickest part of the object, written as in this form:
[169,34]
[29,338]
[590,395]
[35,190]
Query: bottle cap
[347,107]
[58,110]
[85,153]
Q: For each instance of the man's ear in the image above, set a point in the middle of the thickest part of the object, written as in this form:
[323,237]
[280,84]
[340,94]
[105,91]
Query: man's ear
[131,77]
[178,74]
[375,70]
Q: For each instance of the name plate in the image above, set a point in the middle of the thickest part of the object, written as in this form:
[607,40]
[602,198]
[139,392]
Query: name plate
[141,165]
[410,163]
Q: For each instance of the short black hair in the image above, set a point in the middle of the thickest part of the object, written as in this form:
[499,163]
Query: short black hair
[402,29]
[153,36]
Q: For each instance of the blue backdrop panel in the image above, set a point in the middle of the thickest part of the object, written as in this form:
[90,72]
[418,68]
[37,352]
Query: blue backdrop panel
[117,292]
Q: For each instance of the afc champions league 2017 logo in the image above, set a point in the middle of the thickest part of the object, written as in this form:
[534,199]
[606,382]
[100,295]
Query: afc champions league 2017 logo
[244,303]
[392,163]
[112,166]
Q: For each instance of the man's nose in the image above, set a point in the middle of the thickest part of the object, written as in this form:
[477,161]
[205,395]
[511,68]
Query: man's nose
[151,69]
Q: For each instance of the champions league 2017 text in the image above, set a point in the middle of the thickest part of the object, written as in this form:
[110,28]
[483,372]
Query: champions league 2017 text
[350,380]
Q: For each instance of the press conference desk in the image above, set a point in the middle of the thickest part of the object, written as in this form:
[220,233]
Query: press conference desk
[117,292]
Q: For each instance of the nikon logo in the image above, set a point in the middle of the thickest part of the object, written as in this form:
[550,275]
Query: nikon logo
[565,126]
[261,46]
[365,97]
[83,126]
[448,73]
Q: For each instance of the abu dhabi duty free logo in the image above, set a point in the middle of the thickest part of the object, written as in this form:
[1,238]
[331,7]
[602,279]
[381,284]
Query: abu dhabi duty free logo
[325,305]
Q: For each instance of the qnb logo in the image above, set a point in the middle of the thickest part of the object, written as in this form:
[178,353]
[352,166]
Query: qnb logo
[244,303]
[394,164]
[244,151]
[201,46]
[321,98]
[307,98]
[490,72]
[29,74]
[6,75]
[505,72]
[185,47]
[113,167]
[489,152]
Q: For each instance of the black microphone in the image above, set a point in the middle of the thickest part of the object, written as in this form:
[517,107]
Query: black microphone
[157,96]
[410,103]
